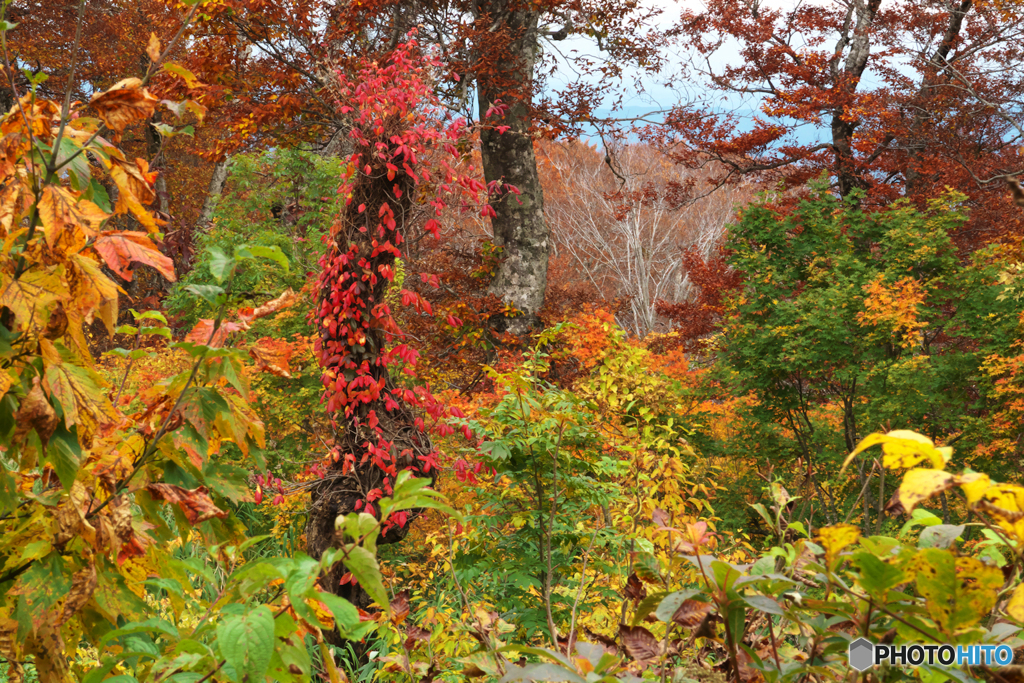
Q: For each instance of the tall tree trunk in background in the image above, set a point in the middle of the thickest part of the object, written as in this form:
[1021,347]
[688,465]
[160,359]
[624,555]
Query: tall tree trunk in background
[855,35]
[217,180]
[519,226]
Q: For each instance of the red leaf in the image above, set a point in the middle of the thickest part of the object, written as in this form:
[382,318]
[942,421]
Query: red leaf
[400,607]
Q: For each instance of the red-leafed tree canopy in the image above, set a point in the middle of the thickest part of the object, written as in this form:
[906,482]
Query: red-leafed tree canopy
[891,98]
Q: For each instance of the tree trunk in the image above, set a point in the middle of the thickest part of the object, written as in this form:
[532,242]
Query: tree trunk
[217,180]
[855,35]
[508,158]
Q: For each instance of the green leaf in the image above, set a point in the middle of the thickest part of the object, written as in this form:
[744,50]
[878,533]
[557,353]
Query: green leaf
[273,253]
[65,454]
[78,166]
[246,642]
[211,293]
[97,674]
[670,604]
[542,672]
[290,662]
[169,585]
[98,195]
[876,576]
[153,625]
[360,527]
[222,266]
[761,510]
[150,315]
[940,536]
[364,568]
[648,605]
[763,603]
[346,617]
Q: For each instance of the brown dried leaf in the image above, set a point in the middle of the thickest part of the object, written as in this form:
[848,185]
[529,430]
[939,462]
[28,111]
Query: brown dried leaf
[691,613]
[400,607]
[35,412]
[83,583]
[417,633]
[124,104]
[1016,191]
[639,643]
[634,588]
[195,504]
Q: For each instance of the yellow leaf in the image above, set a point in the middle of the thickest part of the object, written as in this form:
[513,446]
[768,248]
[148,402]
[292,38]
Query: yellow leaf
[92,290]
[67,220]
[31,297]
[1015,608]
[135,188]
[903,449]
[835,538]
[153,49]
[975,486]
[920,484]
[82,396]
[15,201]
[181,72]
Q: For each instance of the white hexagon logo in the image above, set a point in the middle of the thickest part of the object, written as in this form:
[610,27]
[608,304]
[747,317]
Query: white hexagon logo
[862,654]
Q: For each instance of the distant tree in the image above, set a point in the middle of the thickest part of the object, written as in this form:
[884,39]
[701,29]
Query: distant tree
[624,234]
[898,99]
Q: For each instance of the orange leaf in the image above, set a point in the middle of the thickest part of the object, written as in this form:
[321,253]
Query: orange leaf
[272,355]
[124,104]
[119,249]
[287,299]
[200,334]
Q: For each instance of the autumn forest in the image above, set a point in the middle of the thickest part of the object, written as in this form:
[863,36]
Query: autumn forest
[507,340]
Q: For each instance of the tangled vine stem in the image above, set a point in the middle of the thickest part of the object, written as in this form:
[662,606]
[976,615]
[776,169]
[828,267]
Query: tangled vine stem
[401,149]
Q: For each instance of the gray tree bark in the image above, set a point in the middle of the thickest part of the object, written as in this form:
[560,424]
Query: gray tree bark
[508,158]
[220,176]
[855,34]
